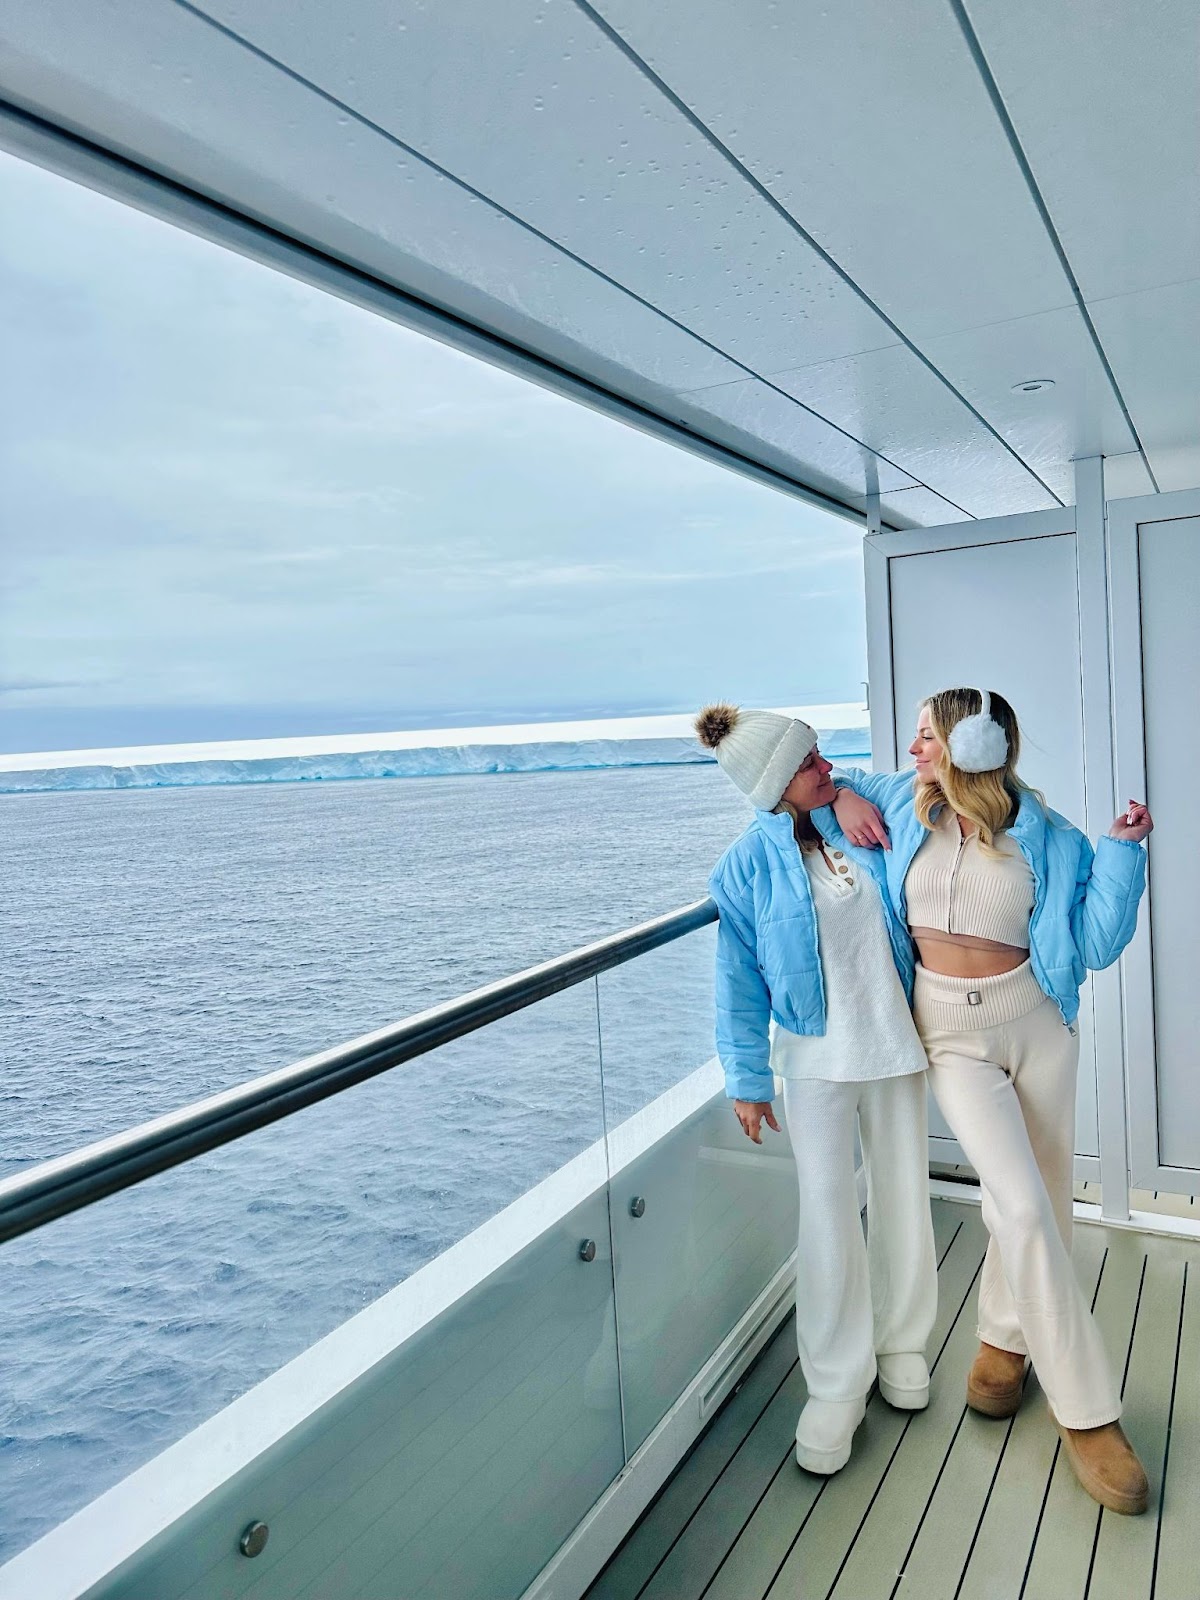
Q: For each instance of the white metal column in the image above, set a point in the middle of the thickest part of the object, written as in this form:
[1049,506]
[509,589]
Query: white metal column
[1100,805]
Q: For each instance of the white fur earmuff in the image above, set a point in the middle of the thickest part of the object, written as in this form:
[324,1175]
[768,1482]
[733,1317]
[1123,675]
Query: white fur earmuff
[978,743]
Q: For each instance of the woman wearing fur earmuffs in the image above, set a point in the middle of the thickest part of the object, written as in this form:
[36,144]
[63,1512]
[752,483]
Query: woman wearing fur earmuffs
[814,975]
[1008,907]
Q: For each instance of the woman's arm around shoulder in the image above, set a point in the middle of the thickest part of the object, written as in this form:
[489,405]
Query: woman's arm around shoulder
[887,790]
[866,803]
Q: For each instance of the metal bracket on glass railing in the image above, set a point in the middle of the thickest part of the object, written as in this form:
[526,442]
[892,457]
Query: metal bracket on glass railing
[254,1539]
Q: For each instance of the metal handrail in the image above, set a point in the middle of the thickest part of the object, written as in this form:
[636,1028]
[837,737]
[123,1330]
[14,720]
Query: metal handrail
[67,1183]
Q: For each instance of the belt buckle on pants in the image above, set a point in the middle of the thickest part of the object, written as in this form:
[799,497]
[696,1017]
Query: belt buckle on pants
[974,998]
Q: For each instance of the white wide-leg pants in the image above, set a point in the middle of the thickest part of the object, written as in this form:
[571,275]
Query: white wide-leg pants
[1008,1093]
[856,1298]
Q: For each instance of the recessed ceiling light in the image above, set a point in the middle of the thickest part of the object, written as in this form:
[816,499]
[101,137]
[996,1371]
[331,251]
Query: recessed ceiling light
[1033,385]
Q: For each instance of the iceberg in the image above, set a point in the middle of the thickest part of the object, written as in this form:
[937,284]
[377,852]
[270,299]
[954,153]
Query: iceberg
[420,753]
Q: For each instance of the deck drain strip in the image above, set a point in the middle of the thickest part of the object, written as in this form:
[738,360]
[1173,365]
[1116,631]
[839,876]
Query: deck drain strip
[768,1403]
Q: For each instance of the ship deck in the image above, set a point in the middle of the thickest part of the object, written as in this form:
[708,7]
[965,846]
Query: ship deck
[944,1504]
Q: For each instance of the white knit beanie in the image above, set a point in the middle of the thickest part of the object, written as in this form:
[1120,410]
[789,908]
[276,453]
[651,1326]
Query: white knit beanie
[760,750]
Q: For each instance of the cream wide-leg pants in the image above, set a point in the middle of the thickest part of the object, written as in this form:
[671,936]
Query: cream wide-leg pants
[856,1298]
[1008,1094]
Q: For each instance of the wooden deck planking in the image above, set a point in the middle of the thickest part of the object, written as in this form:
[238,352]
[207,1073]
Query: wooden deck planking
[944,1503]
[800,1506]
[685,1552]
[1066,1541]
[1124,1560]
[1004,1535]
[942,1543]
[1177,1570]
[876,1557]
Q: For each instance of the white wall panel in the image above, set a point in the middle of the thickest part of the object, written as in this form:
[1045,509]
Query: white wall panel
[1002,616]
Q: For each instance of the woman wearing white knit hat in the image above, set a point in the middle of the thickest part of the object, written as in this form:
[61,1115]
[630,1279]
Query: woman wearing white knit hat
[814,977]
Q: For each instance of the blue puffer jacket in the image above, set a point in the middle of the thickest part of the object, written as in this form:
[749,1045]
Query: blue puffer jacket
[1085,904]
[768,962]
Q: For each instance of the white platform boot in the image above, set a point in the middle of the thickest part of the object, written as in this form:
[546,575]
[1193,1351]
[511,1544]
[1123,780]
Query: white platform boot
[904,1381]
[825,1434]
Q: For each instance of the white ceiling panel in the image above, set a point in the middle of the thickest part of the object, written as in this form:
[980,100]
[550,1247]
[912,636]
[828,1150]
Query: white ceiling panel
[895,405]
[879,100]
[1079,416]
[225,123]
[919,508]
[1105,98]
[1153,342]
[561,198]
[531,104]
[741,413]
[1125,476]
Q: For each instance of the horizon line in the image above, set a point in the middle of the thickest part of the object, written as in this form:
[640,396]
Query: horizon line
[832,716]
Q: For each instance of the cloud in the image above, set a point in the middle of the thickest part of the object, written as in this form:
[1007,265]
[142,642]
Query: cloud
[34,685]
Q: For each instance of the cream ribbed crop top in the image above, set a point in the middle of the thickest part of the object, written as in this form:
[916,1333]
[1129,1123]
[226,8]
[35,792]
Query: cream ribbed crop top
[954,887]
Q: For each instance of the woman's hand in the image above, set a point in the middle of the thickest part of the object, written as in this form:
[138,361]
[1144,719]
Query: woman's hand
[752,1114]
[1132,825]
[860,821]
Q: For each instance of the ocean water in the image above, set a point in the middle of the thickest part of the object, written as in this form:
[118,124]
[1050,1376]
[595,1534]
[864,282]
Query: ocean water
[161,945]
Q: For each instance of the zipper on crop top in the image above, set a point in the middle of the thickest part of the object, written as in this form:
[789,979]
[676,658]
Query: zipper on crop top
[962,839]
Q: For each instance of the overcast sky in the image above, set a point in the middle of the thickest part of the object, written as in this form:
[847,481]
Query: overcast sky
[233,506]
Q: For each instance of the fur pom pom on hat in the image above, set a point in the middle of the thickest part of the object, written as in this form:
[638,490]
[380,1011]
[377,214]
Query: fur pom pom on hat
[979,743]
[715,722]
[760,750]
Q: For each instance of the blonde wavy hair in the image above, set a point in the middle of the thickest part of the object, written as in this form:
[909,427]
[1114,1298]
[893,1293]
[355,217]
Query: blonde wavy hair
[990,800]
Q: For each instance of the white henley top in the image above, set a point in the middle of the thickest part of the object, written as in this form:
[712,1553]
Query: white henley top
[869,1031]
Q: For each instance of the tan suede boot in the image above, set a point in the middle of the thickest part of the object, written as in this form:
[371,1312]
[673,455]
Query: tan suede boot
[996,1382]
[1107,1466]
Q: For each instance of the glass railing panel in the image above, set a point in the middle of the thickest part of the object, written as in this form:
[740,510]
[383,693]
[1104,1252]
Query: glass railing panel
[470,1411]
[702,1220]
